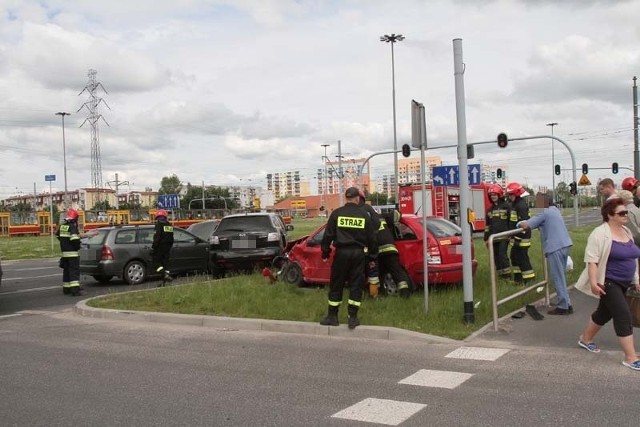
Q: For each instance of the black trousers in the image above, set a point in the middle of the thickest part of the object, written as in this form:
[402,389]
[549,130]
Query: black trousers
[614,305]
[70,271]
[347,269]
[520,258]
[161,258]
[389,263]
[501,258]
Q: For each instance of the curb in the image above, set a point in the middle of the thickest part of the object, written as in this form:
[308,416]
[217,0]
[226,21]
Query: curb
[236,324]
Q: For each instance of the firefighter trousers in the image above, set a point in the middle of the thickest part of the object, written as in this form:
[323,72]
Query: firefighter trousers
[70,273]
[347,269]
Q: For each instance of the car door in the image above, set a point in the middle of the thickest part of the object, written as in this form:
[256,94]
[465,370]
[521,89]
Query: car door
[314,269]
[145,242]
[188,252]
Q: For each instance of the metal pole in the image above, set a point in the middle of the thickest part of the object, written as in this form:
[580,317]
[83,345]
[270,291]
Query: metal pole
[553,165]
[467,273]
[636,154]
[203,198]
[64,159]
[51,214]
[340,175]
[395,140]
[324,189]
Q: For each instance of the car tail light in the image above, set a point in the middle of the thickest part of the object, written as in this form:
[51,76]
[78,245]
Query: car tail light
[273,237]
[106,254]
[433,255]
[214,240]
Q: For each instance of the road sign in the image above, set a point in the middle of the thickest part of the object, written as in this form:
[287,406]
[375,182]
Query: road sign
[168,201]
[49,178]
[584,180]
[450,175]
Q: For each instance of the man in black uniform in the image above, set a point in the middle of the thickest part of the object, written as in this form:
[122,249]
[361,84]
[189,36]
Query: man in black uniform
[371,265]
[498,220]
[162,243]
[69,239]
[350,230]
[520,264]
[388,256]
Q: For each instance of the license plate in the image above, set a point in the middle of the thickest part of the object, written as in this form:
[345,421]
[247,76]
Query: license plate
[243,244]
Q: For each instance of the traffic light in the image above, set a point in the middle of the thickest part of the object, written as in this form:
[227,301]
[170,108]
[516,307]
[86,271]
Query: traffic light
[503,140]
[406,150]
[499,173]
[557,169]
[573,188]
[614,167]
[471,153]
[585,169]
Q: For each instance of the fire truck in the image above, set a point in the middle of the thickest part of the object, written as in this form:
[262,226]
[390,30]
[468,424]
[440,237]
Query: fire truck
[444,202]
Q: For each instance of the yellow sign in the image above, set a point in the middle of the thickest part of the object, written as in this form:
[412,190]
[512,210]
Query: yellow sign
[584,180]
[298,204]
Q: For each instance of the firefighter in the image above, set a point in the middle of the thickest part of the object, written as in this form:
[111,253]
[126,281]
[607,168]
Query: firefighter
[371,266]
[69,238]
[161,247]
[631,184]
[520,263]
[388,257]
[350,230]
[498,220]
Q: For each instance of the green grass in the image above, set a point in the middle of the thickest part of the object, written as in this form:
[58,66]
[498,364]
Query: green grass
[252,297]
[28,247]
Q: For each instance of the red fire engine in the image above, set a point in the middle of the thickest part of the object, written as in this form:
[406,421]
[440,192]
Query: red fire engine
[444,202]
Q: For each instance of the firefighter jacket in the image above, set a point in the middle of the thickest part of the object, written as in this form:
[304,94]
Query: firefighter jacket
[386,234]
[520,212]
[372,214]
[349,226]
[69,238]
[163,235]
[498,219]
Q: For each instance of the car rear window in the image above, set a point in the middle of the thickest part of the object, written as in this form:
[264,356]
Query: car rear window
[125,236]
[442,228]
[245,223]
[96,237]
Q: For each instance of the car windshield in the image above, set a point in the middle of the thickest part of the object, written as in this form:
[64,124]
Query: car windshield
[245,223]
[442,228]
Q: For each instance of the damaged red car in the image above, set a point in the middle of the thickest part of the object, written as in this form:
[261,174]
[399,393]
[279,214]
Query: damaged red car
[304,263]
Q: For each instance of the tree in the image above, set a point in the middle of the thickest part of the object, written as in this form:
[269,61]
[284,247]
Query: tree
[378,199]
[169,185]
[214,198]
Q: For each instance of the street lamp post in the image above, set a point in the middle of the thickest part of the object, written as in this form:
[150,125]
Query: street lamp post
[553,165]
[323,196]
[64,159]
[392,39]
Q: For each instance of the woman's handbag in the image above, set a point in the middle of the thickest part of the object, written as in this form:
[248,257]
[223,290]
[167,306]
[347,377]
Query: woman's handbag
[633,299]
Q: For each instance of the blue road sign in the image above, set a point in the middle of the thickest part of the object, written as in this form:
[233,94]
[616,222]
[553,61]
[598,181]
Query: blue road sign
[450,175]
[168,201]
[48,178]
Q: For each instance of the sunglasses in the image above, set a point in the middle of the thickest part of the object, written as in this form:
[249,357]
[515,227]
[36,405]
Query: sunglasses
[621,213]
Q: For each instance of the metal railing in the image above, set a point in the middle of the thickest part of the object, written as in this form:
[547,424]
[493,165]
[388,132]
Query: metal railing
[506,235]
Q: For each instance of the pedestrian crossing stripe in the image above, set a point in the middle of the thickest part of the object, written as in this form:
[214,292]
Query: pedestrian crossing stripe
[438,379]
[380,411]
[478,353]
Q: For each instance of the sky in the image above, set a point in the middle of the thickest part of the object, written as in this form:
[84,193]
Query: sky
[224,92]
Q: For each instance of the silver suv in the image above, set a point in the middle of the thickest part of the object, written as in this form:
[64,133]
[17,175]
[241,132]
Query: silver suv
[125,252]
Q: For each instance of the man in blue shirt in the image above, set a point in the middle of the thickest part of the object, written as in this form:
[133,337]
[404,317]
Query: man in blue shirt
[556,244]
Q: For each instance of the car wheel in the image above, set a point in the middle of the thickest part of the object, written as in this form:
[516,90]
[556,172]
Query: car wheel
[102,278]
[292,274]
[134,273]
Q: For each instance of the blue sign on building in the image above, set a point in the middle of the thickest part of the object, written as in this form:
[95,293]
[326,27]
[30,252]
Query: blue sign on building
[450,175]
[168,201]
[49,178]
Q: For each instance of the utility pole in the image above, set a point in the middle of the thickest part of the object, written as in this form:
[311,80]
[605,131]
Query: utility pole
[324,186]
[117,184]
[553,165]
[636,154]
[64,160]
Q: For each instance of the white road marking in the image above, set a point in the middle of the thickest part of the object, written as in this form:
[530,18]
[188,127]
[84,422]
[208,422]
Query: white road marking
[440,379]
[380,411]
[9,315]
[478,353]
[24,291]
[6,278]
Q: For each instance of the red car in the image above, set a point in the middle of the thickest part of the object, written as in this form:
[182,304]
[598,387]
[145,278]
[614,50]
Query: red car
[444,246]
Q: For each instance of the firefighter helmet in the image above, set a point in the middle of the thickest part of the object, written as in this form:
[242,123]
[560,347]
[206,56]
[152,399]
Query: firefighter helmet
[161,212]
[515,189]
[71,215]
[495,189]
[629,183]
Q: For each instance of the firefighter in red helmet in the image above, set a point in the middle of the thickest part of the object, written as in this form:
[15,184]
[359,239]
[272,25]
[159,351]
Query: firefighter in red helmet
[520,263]
[69,238]
[161,247]
[631,184]
[498,220]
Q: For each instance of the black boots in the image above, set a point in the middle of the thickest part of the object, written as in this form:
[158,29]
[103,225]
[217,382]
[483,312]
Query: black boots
[353,317]
[331,318]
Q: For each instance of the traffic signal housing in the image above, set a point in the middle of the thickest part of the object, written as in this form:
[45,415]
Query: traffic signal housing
[503,140]
[499,173]
[585,169]
[614,167]
[573,188]
[557,169]
[406,150]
